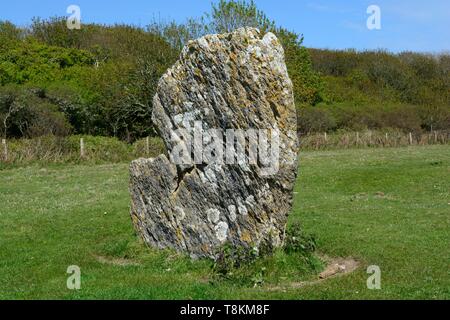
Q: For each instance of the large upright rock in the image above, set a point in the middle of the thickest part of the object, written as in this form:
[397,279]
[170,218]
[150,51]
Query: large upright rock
[230,81]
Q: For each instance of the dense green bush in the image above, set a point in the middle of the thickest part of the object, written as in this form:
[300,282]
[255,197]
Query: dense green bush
[101,78]
[377,89]
[298,241]
[24,112]
[29,61]
[314,119]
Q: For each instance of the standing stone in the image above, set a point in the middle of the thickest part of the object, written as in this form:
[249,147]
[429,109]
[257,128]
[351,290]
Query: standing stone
[224,82]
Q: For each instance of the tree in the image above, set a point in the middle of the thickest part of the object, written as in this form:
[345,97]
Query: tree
[307,83]
[8,108]
[227,16]
[8,31]
[54,31]
[177,35]
[27,112]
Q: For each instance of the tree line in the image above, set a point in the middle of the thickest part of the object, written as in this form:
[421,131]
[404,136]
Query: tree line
[100,79]
[377,89]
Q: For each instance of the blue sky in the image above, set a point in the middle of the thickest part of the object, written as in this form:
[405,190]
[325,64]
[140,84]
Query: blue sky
[338,24]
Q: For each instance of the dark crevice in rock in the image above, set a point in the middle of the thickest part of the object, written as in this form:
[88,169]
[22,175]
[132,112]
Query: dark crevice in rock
[274,108]
[181,173]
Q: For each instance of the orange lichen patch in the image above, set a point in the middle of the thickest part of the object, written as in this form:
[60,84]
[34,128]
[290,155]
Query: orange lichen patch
[245,236]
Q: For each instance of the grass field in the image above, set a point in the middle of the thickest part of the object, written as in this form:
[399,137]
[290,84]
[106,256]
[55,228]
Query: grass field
[385,207]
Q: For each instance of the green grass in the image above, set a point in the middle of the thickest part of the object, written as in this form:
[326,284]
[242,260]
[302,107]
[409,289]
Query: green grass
[385,207]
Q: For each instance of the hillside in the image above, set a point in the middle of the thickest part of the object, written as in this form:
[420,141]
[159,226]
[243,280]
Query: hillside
[100,80]
[378,89]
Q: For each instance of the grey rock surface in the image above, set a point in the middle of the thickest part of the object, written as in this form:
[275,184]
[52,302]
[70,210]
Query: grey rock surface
[229,81]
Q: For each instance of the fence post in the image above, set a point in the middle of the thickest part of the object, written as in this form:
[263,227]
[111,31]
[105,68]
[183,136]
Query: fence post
[5,149]
[82,153]
[147,146]
[357,138]
[410,138]
[435,137]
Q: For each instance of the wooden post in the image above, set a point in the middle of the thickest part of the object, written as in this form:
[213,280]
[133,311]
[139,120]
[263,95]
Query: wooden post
[82,153]
[147,146]
[435,137]
[357,138]
[5,149]
[410,138]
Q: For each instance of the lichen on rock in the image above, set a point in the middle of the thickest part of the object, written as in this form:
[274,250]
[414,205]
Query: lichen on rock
[236,82]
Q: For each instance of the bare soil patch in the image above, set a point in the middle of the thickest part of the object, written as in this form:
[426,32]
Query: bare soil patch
[335,267]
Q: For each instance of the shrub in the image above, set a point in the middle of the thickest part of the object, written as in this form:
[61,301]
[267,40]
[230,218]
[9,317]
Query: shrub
[404,117]
[434,117]
[229,258]
[313,119]
[25,112]
[298,241]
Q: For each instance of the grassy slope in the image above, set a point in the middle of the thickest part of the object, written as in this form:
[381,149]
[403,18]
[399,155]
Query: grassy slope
[388,207]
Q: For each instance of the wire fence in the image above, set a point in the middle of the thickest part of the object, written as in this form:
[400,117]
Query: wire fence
[371,139]
[52,149]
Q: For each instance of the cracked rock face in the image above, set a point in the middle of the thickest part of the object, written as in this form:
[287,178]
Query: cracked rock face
[227,82]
